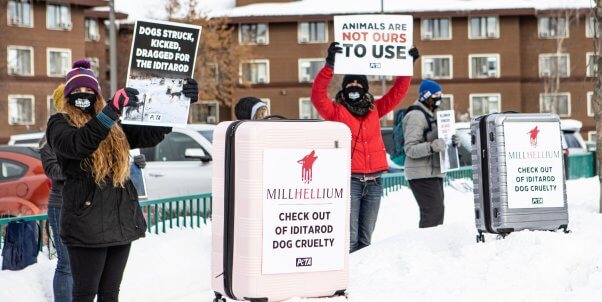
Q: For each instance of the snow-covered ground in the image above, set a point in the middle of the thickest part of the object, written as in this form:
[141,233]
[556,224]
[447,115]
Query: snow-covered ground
[403,264]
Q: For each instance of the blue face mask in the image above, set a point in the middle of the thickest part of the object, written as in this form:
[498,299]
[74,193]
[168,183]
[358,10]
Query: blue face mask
[83,101]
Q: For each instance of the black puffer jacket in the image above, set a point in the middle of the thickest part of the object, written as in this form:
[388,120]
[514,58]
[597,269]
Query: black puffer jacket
[53,171]
[92,215]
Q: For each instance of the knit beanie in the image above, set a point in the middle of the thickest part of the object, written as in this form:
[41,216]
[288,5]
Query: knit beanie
[246,107]
[81,76]
[427,89]
[58,97]
[361,79]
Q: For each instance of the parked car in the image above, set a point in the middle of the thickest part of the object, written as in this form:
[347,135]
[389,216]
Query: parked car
[24,188]
[181,164]
[572,141]
[28,139]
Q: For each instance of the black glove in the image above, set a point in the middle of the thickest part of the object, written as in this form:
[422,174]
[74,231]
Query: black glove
[123,98]
[140,161]
[333,49]
[414,53]
[455,140]
[191,90]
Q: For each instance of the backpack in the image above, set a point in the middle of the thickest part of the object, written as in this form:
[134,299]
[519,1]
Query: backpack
[21,245]
[398,154]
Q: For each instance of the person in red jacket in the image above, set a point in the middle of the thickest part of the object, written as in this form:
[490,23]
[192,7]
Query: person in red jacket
[357,108]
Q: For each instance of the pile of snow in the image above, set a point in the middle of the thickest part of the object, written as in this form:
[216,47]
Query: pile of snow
[403,264]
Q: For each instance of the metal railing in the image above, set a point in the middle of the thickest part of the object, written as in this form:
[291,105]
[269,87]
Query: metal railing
[582,165]
[394,181]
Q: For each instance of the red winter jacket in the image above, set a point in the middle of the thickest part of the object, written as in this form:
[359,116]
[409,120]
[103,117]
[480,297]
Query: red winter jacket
[367,147]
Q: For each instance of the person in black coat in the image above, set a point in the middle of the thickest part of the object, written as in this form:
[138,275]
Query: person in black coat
[100,215]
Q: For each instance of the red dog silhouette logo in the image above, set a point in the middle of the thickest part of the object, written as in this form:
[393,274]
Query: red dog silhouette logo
[533,135]
[307,165]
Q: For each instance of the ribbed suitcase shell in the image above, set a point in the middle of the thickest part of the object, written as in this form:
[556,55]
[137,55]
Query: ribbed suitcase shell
[252,137]
[507,220]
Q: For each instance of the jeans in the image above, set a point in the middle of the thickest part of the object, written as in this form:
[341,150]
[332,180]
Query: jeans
[365,203]
[98,271]
[63,283]
[429,195]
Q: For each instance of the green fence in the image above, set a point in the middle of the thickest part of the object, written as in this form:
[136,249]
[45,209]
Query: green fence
[192,211]
[582,165]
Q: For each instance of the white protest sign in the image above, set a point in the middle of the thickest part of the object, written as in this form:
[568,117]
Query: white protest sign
[163,55]
[446,128]
[374,44]
[305,209]
[534,165]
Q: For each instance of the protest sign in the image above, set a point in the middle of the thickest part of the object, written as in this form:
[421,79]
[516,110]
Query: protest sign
[374,45]
[446,128]
[304,210]
[534,165]
[163,55]
[137,177]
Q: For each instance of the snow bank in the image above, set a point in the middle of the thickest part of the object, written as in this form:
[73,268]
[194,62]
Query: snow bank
[404,262]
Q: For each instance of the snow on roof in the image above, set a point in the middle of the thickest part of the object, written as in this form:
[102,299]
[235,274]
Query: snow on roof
[155,9]
[333,7]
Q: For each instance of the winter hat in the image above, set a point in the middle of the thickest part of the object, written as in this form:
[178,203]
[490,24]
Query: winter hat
[81,76]
[427,89]
[246,107]
[58,97]
[361,79]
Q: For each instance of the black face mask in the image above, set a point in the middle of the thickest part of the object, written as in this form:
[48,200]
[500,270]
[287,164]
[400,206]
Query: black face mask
[353,94]
[83,101]
[436,103]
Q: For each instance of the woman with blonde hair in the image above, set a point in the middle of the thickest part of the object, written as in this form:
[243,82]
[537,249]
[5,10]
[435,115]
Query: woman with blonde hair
[100,216]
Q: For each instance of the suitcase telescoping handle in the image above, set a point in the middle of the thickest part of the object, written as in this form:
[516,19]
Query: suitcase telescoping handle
[270,117]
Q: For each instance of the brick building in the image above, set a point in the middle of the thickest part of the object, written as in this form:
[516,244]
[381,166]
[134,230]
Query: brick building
[38,42]
[494,59]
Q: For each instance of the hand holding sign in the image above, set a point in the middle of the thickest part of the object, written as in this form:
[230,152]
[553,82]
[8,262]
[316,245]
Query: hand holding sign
[333,49]
[414,53]
[125,97]
[191,90]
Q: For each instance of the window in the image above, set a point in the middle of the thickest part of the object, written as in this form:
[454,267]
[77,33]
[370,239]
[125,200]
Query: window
[59,62]
[21,110]
[255,72]
[307,111]
[553,27]
[268,102]
[591,27]
[313,32]
[436,29]
[481,104]
[308,69]
[58,16]
[172,148]
[559,103]
[553,65]
[94,65]
[592,136]
[92,33]
[50,105]
[205,112]
[592,64]
[484,66]
[10,170]
[590,104]
[437,67]
[253,33]
[447,102]
[213,69]
[20,60]
[483,27]
[20,13]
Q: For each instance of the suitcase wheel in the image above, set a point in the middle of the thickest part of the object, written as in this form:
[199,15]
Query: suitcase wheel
[480,238]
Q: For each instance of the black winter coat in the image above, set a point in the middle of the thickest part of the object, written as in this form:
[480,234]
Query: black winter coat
[92,215]
[53,171]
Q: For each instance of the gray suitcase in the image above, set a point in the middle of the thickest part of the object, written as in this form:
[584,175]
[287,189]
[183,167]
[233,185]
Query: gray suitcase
[519,177]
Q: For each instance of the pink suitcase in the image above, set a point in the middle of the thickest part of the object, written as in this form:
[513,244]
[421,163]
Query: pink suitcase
[280,209]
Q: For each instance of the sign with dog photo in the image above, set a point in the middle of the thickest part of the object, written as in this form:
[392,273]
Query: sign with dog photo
[162,57]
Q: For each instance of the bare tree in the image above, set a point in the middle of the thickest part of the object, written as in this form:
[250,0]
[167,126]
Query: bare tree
[597,98]
[219,56]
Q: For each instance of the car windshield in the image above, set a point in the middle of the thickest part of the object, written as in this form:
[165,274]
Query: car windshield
[208,134]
